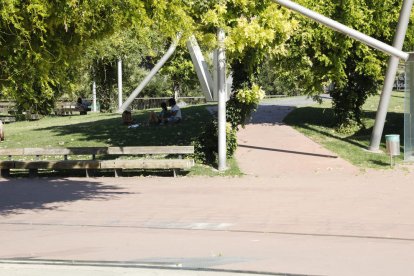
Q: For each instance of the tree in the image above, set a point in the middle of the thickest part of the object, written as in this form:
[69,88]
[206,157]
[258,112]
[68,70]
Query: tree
[255,30]
[320,57]
[181,72]
[42,41]
[39,41]
[99,63]
[276,80]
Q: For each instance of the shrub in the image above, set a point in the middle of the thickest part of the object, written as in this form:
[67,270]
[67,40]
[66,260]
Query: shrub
[206,146]
[243,103]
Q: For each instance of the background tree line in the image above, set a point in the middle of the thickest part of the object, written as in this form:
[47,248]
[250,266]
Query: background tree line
[54,49]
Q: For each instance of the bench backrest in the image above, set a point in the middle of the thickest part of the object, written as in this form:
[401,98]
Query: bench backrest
[6,107]
[98,150]
[60,104]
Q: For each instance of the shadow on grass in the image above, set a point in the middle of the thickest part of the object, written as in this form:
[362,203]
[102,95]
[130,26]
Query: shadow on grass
[318,123]
[18,195]
[111,131]
[379,162]
[314,119]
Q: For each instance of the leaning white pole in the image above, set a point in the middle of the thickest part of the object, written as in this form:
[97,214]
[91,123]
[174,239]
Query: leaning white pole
[151,74]
[344,29]
[201,68]
[390,76]
[119,83]
[222,98]
[94,96]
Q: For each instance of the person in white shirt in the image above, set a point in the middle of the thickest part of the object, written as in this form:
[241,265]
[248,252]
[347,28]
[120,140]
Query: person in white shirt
[175,112]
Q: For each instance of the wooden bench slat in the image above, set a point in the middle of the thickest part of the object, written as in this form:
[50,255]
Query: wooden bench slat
[99,150]
[151,150]
[64,164]
[65,151]
[17,151]
[148,164]
[8,119]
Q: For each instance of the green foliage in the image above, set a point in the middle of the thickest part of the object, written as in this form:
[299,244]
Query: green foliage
[51,48]
[41,40]
[138,51]
[105,75]
[48,46]
[206,146]
[180,70]
[250,96]
[254,31]
[276,80]
[319,57]
[242,104]
[349,98]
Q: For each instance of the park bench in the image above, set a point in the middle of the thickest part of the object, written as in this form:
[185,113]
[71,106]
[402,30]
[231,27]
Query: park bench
[7,107]
[67,108]
[7,112]
[96,158]
[7,118]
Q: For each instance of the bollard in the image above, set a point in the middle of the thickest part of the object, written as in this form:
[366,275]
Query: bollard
[392,143]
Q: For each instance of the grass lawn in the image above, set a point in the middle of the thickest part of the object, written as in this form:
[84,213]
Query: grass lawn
[316,122]
[99,129]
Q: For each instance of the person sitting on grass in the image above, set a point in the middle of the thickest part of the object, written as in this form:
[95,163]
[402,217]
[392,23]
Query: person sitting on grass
[127,117]
[155,118]
[175,112]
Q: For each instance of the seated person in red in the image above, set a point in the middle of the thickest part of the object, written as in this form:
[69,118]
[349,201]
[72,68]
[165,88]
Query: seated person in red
[155,118]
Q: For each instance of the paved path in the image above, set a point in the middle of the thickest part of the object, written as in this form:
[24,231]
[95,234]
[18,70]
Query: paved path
[268,148]
[304,213]
[346,226]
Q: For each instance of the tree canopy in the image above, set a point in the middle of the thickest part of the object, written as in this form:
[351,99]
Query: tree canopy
[47,46]
[320,57]
[42,41]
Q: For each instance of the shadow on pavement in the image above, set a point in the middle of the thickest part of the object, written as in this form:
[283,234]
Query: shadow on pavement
[288,151]
[270,114]
[17,195]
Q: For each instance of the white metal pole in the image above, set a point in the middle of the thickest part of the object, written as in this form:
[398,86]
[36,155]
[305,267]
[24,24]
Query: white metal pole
[222,98]
[119,83]
[94,96]
[215,74]
[151,74]
[344,29]
[390,76]
[201,68]
[409,110]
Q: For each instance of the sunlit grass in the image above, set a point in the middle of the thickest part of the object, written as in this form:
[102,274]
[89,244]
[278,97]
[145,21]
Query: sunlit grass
[316,122]
[101,130]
